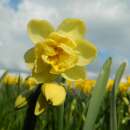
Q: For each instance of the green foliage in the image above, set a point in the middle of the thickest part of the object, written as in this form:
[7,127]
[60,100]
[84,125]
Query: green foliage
[113,116]
[10,119]
[97,95]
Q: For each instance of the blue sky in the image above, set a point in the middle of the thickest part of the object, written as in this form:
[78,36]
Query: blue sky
[108,25]
[14,4]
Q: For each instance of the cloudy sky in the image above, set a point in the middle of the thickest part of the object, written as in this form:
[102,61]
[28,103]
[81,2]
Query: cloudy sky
[108,24]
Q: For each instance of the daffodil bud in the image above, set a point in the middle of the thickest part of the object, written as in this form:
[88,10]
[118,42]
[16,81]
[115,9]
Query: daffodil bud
[54,93]
[21,101]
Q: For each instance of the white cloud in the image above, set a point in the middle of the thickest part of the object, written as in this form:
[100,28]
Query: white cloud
[13,38]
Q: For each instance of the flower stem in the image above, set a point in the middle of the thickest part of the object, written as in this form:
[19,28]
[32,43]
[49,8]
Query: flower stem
[55,118]
[60,112]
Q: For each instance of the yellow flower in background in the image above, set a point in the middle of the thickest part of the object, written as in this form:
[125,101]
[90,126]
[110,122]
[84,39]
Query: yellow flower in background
[110,85]
[123,87]
[69,84]
[85,86]
[31,82]
[10,79]
[53,94]
[128,80]
[62,51]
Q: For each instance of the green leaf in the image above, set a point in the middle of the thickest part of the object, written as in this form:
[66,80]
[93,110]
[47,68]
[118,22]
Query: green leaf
[97,95]
[60,117]
[4,74]
[118,76]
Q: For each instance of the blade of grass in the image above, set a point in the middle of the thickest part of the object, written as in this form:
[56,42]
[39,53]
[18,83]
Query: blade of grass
[113,117]
[97,95]
[4,74]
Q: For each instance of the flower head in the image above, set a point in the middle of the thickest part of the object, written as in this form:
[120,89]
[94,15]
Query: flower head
[85,86]
[10,79]
[62,51]
[110,85]
[53,94]
[123,87]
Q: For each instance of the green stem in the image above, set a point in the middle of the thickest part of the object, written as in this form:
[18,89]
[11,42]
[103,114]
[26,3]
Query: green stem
[60,112]
[55,118]
[68,125]
[50,122]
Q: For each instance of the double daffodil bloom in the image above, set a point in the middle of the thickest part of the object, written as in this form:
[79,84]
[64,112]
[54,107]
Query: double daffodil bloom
[62,51]
[53,94]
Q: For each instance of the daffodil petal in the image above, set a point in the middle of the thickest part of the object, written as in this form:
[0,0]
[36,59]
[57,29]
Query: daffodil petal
[67,49]
[39,64]
[40,105]
[67,62]
[41,70]
[47,47]
[75,73]
[70,24]
[21,101]
[39,29]
[62,38]
[29,57]
[87,52]
[43,76]
[54,93]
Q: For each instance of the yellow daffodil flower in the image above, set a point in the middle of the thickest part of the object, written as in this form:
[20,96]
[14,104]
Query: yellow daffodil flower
[62,51]
[123,87]
[53,94]
[85,85]
[69,84]
[110,85]
[10,79]
[128,80]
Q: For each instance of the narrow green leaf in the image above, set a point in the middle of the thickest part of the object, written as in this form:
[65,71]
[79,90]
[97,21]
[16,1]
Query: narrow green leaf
[113,117]
[118,76]
[97,95]
[4,74]
[60,113]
